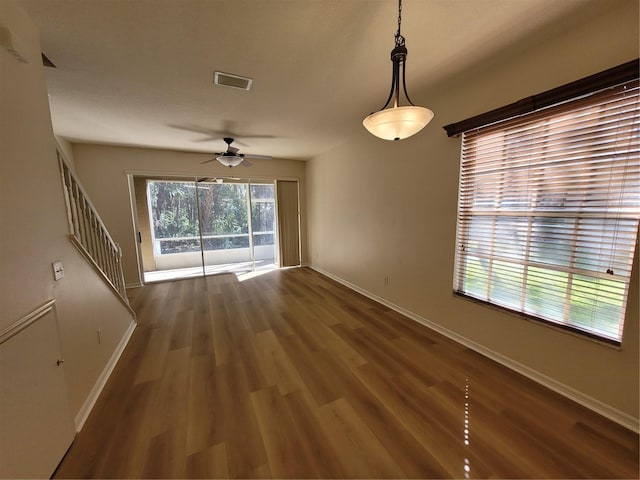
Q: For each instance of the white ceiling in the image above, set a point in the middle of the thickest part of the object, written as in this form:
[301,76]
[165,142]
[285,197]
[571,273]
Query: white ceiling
[140,72]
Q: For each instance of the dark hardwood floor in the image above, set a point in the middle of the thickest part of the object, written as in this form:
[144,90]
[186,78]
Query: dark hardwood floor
[290,374]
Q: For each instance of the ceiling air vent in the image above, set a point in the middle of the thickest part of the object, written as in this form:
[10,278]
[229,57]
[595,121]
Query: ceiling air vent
[230,80]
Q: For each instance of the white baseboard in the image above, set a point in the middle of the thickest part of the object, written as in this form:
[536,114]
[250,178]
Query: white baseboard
[134,285]
[86,408]
[587,401]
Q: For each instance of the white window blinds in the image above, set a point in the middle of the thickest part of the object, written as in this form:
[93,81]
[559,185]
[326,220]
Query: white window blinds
[548,212]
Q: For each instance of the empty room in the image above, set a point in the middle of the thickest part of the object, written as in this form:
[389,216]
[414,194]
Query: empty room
[319,239]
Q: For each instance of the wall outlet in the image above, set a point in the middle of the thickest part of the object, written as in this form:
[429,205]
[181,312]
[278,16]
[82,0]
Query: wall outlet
[58,270]
[386,280]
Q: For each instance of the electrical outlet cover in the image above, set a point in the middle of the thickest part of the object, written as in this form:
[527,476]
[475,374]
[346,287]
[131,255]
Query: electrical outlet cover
[58,271]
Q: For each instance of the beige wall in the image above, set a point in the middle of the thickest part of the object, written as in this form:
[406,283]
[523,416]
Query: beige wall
[378,208]
[103,171]
[33,224]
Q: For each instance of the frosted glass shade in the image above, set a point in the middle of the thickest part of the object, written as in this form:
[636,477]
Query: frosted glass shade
[229,160]
[398,122]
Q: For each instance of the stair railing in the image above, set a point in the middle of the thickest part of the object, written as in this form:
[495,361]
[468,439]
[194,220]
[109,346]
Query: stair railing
[89,234]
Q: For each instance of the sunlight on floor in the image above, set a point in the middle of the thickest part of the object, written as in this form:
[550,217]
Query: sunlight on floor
[249,275]
[244,271]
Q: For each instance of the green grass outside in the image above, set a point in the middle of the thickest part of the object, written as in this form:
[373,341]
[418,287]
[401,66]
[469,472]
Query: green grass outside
[594,304]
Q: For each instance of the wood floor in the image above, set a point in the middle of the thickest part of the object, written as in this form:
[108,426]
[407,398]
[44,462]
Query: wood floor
[290,374]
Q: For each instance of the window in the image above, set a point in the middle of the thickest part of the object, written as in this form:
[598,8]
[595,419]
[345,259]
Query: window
[548,211]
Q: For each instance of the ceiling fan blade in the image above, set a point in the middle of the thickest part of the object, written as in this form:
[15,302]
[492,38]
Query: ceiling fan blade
[212,134]
[237,142]
[246,163]
[209,134]
[207,161]
[210,180]
[194,129]
[259,157]
[233,150]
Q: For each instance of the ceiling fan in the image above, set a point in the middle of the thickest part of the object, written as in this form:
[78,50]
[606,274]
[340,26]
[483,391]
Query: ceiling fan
[231,158]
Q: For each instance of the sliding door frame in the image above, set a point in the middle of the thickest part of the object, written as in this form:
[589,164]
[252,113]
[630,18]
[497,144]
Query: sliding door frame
[181,176]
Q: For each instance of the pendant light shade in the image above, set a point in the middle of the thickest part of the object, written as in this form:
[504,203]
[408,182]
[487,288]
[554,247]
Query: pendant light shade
[396,122]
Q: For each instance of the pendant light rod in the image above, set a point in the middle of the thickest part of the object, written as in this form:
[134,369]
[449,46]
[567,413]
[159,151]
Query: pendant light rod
[399,37]
[398,58]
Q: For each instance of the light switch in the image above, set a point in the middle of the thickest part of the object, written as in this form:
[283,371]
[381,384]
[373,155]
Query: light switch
[58,271]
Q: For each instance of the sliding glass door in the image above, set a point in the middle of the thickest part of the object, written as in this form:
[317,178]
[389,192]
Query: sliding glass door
[263,224]
[203,228]
[224,225]
[175,230]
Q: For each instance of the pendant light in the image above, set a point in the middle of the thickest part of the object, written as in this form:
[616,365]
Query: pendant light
[396,122]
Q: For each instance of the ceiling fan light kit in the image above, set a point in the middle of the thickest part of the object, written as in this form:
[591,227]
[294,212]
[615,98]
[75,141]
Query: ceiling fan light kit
[398,122]
[231,158]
